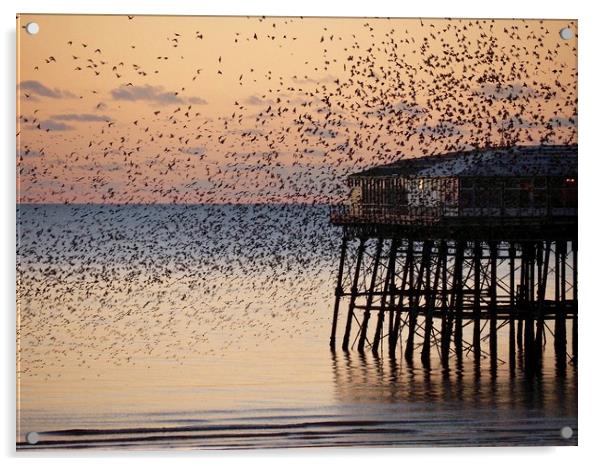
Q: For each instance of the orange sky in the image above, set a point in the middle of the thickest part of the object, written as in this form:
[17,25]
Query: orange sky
[238,109]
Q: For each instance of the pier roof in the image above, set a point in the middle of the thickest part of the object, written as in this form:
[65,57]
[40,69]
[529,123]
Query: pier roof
[547,160]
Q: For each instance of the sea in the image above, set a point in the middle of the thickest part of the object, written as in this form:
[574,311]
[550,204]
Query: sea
[148,327]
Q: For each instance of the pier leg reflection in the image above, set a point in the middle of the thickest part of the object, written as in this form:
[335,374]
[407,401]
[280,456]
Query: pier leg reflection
[418,397]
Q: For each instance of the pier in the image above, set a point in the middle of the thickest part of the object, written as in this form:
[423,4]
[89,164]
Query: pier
[440,253]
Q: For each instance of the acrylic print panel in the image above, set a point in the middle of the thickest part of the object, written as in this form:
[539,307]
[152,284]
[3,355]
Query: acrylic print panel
[251,232]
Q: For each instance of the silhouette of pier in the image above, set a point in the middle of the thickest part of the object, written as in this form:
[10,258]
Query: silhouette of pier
[440,253]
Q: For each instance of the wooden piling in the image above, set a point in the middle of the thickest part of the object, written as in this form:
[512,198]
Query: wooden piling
[338,293]
[353,297]
[493,255]
[459,298]
[522,297]
[574,330]
[415,301]
[512,309]
[476,309]
[389,282]
[529,331]
[560,310]
[407,277]
[541,295]
[445,315]
[370,297]
[430,301]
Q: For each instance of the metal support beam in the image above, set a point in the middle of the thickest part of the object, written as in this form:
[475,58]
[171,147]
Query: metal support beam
[338,293]
[415,299]
[476,310]
[389,283]
[356,276]
[512,297]
[366,319]
[407,277]
[430,300]
[493,255]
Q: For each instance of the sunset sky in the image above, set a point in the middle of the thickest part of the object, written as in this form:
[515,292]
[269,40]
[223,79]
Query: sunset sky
[155,109]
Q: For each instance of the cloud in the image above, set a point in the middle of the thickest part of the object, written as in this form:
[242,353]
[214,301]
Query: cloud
[197,101]
[313,151]
[81,117]
[442,128]
[194,185]
[412,109]
[55,126]
[255,100]
[524,123]
[316,80]
[198,150]
[519,122]
[28,153]
[505,92]
[563,121]
[397,109]
[246,132]
[154,94]
[149,93]
[319,132]
[36,87]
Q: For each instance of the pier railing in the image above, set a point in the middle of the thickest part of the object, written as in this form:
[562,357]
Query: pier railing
[386,214]
[349,214]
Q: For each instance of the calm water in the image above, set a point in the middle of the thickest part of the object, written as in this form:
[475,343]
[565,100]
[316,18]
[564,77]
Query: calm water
[207,327]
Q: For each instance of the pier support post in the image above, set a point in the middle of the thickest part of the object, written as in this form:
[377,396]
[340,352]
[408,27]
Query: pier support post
[493,255]
[521,298]
[445,316]
[415,299]
[574,330]
[338,293]
[476,310]
[542,280]
[512,308]
[430,301]
[559,308]
[356,276]
[370,298]
[458,291]
[529,338]
[389,283]
[407,277]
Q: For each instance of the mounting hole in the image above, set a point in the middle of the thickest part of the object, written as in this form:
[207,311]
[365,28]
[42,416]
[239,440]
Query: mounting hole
[566,432]
[32,438]
[32,28]
[566,33]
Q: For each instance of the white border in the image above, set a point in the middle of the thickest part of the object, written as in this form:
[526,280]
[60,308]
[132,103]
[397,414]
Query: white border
[590,168]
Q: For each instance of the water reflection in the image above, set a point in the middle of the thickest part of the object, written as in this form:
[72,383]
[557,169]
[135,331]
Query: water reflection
[364,378]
